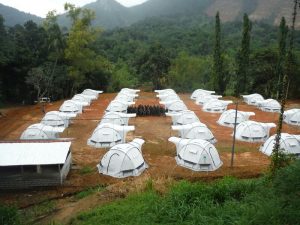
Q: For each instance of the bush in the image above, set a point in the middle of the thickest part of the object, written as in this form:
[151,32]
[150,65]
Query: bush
[9,215]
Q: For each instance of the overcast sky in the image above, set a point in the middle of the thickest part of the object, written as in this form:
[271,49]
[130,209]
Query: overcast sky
[41,7]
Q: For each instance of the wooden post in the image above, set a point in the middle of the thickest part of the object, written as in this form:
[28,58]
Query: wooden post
[234,133]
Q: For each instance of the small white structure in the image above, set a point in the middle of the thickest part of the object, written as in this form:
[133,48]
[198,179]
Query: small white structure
[70,107]
[202,99]
[198,92]
[117,107]
[168,97]
[253,98]
[82,100]
[88,98]
[183,118]
[93,93]
[176,106]
[216,106]
[228,117]
[196,154]
[55,120]
[165,92]
[124,160]
[292,117]
[251,131]
[124,98]
[195,131]
[269,105]
[109,135]
[130,91]
[41,131]
[290,144]
[121,119]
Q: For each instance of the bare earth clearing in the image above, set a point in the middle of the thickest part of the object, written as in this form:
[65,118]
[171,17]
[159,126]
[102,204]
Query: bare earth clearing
[157,151]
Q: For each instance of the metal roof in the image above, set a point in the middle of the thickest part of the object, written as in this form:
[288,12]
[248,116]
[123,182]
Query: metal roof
[17,154]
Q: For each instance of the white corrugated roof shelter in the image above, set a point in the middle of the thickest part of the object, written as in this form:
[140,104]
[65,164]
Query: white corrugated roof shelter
[184,117]
[216,106]
[269,105]
[124,160]
[202,99]
[253,98]
[228,117]
[41,131]
[290,144]
[292,117]
[198,92]
[21,154]
[196,154]
[116,118]
[54,120]
[70,107]
[108,135]
[195,131]
[251,131]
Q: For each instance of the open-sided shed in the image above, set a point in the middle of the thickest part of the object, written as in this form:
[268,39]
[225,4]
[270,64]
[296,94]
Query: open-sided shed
[196,154]
[124,160]
[29,164]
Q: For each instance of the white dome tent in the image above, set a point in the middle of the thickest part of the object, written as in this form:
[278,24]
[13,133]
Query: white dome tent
[88,98]
[70,107]
[165,92]
[121,119]
[253,98]
[91,92]
[228,117]
[292,117]
[195,131]
[108,135]
[251,131]
[167,104]
[176,106]
[54,120]
[117,107]
[129,90]
[269,105]
[184,117]
[198,92]
[66,117]
[41,131]
[83,101]
[197,155]
[216,106]
[167,98]
[124,98]
[124,160]
[202,99]
[289,143]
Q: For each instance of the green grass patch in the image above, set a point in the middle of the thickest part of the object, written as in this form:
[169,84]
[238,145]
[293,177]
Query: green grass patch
[228,201]
[89,191]
[86,170]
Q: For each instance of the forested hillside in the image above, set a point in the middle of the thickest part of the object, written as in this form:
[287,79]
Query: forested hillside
[167,51]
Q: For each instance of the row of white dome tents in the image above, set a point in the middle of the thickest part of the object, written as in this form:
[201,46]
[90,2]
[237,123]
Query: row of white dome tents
[267,105]
[113,127]
[194,151]
[55,122]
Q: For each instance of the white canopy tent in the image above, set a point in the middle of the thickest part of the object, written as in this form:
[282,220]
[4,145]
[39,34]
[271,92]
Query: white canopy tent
[88,98]
[91,92]
[253,98]
[183,118]
[108,135]
[195,131]
[117,107]
[269,105]
[198,92]
[70,107]
[121,119]
[251,131]
[216,106]
[129,90]
[202,99]
[41,131]
[228,117]
[168,97]
[83,101]
[165,92]
[289,143]
[196,154]
[125,98]
[176,106]
[292,117]
[124,160]
[54,120]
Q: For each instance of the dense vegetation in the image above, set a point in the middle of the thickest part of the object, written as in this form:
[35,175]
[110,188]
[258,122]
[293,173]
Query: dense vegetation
[228,201]
[171,51]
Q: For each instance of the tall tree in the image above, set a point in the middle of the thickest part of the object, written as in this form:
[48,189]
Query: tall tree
[278,159]
[219,82]
[283,31]
[243,56]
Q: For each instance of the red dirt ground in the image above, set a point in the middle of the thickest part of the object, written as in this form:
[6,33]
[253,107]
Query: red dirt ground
[157,151]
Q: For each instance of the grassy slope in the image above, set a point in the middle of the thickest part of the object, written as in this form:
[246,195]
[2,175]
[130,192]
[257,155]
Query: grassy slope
[229,201]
